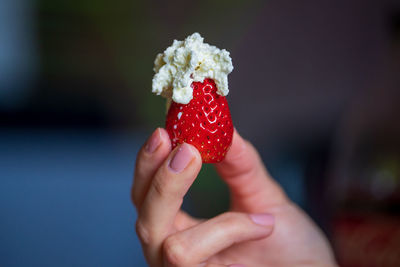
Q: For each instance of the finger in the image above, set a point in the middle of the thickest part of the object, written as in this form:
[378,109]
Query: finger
[221,265]
[195,245]
[184,221]
[165,196]
[252,188]
[148,160]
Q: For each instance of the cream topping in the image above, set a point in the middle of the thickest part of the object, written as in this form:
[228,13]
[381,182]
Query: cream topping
[189,61]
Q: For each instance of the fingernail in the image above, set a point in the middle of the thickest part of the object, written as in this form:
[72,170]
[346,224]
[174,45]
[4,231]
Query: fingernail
[181,158]
[154,141]
[262,219]
[237,265]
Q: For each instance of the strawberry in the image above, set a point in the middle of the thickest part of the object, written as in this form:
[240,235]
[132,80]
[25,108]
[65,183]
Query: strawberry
[205,122]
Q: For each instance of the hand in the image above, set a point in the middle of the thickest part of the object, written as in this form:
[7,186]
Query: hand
[262,228]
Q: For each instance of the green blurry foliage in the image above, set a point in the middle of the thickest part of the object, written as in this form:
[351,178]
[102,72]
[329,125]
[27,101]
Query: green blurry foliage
[209,195]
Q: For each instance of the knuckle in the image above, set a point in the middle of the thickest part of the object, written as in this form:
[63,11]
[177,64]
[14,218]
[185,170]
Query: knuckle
[135,200]
[134,197]
[229,217]
[143,164]
[139,160]
[140,171]
[230,221]
[160,186]
[143,233]
[174,251]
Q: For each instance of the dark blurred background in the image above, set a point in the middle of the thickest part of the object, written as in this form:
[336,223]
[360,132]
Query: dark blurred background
[316,88]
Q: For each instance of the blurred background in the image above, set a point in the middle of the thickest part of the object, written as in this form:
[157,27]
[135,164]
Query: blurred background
[316,88]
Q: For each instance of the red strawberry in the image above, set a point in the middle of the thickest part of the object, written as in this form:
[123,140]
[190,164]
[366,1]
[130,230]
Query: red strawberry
[205,122]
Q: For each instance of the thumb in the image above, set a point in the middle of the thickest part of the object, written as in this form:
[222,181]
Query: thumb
[252,188]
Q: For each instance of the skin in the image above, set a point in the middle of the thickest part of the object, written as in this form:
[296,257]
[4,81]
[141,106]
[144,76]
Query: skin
[170,237]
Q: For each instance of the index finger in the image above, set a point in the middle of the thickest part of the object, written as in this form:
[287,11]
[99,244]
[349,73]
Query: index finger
[252,188]
[164,198]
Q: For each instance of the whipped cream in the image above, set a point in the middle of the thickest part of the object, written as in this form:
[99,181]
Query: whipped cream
[189,61]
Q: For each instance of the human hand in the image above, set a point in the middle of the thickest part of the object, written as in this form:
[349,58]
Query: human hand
[262,228]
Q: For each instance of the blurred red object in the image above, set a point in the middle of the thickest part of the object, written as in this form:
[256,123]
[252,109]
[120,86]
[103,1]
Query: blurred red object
[367,240]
